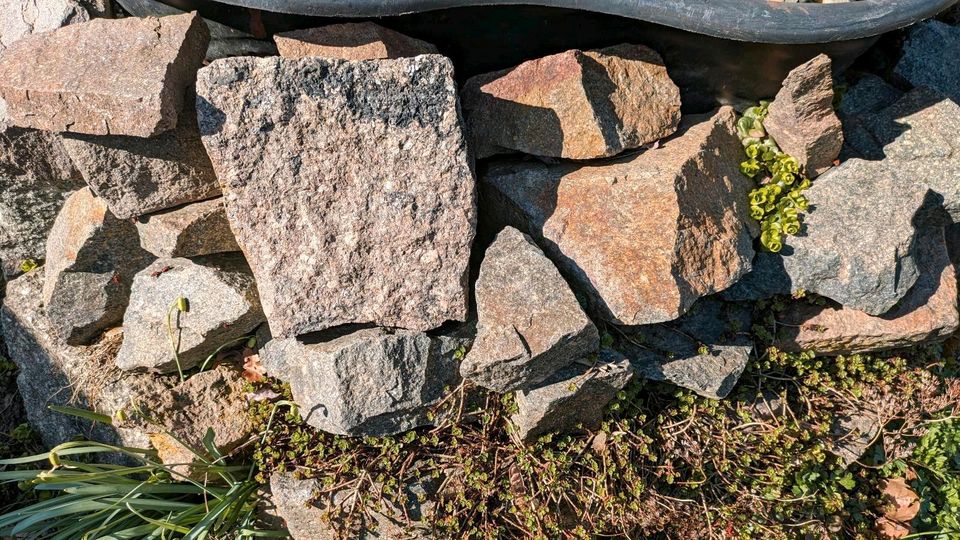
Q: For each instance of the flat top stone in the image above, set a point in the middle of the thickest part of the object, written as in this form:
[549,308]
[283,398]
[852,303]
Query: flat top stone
[104,77]
[188,231]
[529,321]
[347,185]
[930,58]
[642,236]
[350,41]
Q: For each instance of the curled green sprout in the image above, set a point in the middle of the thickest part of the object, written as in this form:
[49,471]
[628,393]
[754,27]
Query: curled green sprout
[777,202]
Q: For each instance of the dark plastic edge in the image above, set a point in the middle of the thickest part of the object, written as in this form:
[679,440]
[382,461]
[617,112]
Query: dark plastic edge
[743,20]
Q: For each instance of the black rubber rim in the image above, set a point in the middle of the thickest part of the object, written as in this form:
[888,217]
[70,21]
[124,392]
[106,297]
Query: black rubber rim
[742,20]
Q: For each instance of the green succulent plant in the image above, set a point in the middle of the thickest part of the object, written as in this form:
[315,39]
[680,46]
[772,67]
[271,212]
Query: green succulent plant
[777,202]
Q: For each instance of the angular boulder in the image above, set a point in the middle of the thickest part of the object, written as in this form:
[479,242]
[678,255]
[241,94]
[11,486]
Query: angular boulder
[189,231]
[530,324]
[91,259]
[573,399]
[706,350]
[576,104]
[347,185]
[350,41]
[52,373]
[642,237]
[801,118]
[928,313]
[858,241]
[222,302]
[36,176]
[104,77]
[371,382]
[868,96]
[20,18]
[137,176]
[930,58]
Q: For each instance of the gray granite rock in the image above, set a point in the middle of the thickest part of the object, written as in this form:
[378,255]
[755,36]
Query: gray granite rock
[347,185]
[223,307]
[858,241]
[350,41]
[36,176]
[137,175]
[868,95]
[312,516]
[530,324]
[575,104]
[188,231]
[706,350]
[573,399]
[104,77]
[644,236]
[931,58]
[852,434]
[52,373]
[21,18]
[370,382]
[801,118]
[91,259]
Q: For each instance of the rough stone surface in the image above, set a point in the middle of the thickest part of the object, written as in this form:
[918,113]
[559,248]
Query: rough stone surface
[21,18]
[52,373]
[350,41]
[857,110]
[309,518]
[928,313]
[645,236]
[348,187]
[857,244]
[223,307]
[576,104]
[104,77]
[91,260]
[801,118]
[852,434]
[705,351]
[137,176]
[36,175]
[573,399]
[370,382]
[189,231]
[930,58]
[530,324]
[180,416]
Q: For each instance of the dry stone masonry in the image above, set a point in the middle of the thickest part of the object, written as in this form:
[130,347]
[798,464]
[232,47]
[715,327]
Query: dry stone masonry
[568,232]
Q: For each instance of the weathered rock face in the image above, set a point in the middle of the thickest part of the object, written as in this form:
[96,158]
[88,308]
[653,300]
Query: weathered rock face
[189,231]
[572,400]
[137,176]
[36,175]
[133,86]
[576,104]
[801,118]
[842,252]
[52,373]
[643,236]
[20,18]
[223,307]
[529,322]
[930,58]
[928,313]
[347,185]
[181,415]
[706,350]
[350,41]
[861,102]
[370,382]
[311,518]
[91,260]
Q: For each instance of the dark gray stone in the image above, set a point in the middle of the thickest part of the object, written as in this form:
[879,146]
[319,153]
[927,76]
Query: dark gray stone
[573,399]
[52,373]
[189,231]
[705,351]
[857,244]
[348,186]
[371,382]
[868,95]
[530,324]
[223,307]
[931,58]
[91,259]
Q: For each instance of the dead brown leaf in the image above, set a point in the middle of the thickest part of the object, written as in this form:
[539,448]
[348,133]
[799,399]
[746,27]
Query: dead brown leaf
[902,503]
[253,370]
